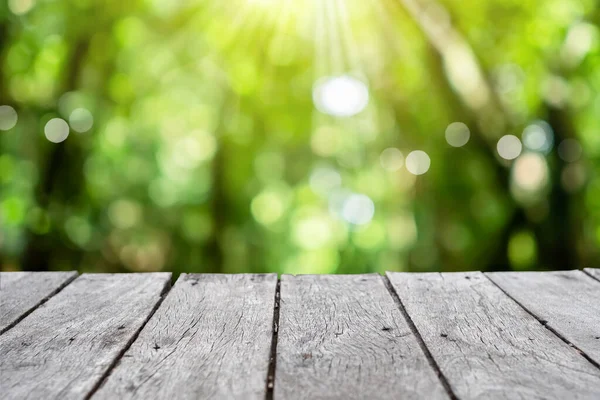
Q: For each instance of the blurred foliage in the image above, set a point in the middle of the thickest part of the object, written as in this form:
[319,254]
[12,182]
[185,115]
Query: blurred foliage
[278,135]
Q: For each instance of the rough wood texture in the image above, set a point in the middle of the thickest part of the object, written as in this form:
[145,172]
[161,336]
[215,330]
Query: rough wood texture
[595,272]
[486,345]
[568,300]
[211,338]
[21,292]
[343,337]
[63,348]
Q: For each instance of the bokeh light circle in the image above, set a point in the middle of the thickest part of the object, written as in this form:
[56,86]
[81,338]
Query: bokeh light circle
[81,120]
[457,134]
[538,137]
[358,209]
[509,147]
[530,172]
[391,159]
[8,118]
[570,150]
[418,162]
[56,130]
[20,7]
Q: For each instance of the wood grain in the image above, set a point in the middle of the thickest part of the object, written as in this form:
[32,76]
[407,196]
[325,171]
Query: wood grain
[486,345]
[211,338]
[21,292]
[343,337]
[63,348]
[569,302]
[594,272]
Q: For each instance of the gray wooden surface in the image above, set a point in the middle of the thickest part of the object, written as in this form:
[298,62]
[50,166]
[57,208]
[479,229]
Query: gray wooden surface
[594,272]
[63,348]
[21,292]
[568,302]
[211,338]
[343,337]
[423,336]
[487,346]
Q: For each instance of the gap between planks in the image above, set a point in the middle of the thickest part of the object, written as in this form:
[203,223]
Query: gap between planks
[418,336]
[115,362]
[40,303]
[273,355]
[544,323]
[589,273]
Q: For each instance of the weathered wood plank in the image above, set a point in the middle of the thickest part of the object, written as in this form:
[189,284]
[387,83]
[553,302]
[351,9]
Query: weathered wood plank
[486,345]
[211,338]
[63,348]
[595,272]
[21,292]
[344,337]
[569,302]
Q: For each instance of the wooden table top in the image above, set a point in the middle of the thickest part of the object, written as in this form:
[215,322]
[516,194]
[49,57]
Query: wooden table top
[502,335]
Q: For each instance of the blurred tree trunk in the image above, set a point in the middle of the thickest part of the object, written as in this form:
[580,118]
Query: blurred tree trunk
[559,235]
[218,201]
[4,36]
[60,175]
[219,204]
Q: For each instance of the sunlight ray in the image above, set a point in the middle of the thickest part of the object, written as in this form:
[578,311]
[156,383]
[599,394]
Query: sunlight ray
[386,23]
[338,64]
[322,58]
[461,66]
[278,36]
[320,41]
[352,51]
[241,22]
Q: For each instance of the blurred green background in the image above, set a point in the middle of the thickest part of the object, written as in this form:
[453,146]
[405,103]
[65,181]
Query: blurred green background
[314,136]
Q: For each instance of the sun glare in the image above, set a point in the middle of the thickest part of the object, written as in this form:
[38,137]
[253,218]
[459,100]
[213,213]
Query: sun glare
[342,96]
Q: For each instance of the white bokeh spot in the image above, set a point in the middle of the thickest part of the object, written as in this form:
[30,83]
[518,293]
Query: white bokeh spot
[457,134]
[530,172]
[538,137]
[8,118]
[418,162]
[509,147]
[56,130]
[358,209]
